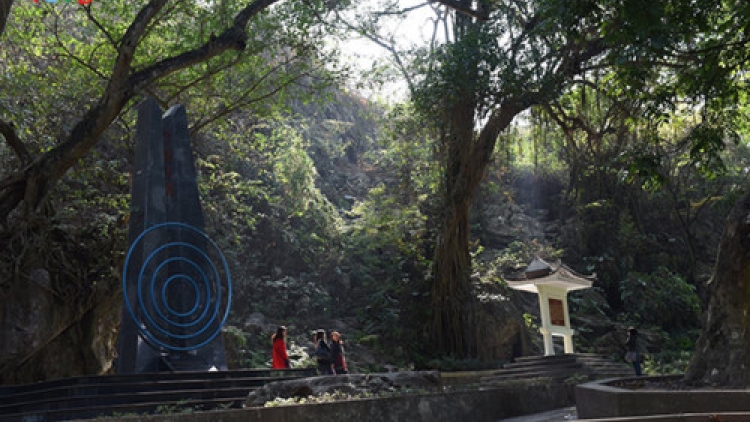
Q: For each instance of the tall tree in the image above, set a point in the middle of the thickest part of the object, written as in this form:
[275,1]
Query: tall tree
[722,354]
[507,56]
[126,69]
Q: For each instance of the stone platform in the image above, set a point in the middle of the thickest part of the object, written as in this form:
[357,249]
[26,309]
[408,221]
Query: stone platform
[603,400]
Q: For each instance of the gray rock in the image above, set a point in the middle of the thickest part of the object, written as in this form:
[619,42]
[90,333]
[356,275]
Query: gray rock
[352,384]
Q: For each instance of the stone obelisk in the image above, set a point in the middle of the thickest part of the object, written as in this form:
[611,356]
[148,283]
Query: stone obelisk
[169,284]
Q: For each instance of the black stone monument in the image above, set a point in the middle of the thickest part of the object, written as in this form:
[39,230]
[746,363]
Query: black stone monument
[176,283]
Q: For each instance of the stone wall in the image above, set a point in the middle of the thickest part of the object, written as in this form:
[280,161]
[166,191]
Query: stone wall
[598,399]
[488,405]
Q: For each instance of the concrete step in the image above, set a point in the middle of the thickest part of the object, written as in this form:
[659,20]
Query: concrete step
[129,409]
[94,390]
[162,376]
[135,393]
[543,360]
[558,367]
[119,398]
[536,369]
[560,374]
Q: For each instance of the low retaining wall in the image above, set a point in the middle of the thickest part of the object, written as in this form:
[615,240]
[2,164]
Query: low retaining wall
[481,405]
[691,417]
[599,400]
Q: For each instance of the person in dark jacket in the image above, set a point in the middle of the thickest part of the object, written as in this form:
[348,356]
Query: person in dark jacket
[279,357]
[323,354]
[633,355]
[337,354]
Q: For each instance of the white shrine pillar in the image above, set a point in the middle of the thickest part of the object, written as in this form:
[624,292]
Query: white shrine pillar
[553,307]
[552,285]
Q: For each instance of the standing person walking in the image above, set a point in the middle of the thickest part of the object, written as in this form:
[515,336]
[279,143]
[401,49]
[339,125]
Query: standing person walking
[279,358]
[632,355]
[337,354]
[323,354]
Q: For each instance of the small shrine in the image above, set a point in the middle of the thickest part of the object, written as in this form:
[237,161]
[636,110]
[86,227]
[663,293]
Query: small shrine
[552,284]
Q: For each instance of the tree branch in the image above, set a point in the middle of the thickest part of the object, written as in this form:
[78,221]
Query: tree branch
[462,7]
[122,87]
[5,6]
[11,137]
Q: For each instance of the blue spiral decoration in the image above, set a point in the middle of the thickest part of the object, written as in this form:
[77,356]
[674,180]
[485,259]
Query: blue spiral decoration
[177,286]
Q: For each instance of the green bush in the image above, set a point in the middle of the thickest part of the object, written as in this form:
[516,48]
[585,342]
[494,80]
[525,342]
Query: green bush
[661,298]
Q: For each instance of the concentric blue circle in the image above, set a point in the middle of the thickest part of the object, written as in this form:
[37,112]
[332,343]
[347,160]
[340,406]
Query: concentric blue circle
[165,289]
[177,286]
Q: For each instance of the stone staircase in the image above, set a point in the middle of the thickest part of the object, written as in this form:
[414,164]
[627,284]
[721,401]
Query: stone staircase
[112,395]
[559,368]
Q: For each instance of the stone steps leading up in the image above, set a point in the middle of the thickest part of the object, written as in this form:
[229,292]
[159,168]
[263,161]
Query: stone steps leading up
[111,395]
[130,378]
[559,368]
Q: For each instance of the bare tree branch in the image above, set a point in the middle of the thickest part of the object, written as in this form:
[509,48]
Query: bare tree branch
[101,27]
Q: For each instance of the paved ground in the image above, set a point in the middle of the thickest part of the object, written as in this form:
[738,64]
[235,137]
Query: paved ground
[558,415]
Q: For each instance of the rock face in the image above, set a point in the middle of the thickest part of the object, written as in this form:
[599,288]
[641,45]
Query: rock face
[47,335]
[502,331]
[352,384]
[505,222]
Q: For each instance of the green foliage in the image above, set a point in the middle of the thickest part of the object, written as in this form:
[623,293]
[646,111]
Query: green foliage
[385,233]
[268,178]
[314,220]
[323,398]
[536,148]
[531,322]
[238,354]
[383,237]
[707,144]
[180,407]
[576,379]
[272,296]
[661,298]
[40,74]
[337,395]
[675,354]
[585,303]
[406,147]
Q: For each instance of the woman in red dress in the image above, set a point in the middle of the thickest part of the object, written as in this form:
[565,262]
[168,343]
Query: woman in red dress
[337,354]
[280,358]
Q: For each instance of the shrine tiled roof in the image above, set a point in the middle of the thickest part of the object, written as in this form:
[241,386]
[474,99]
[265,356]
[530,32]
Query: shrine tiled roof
[539,272]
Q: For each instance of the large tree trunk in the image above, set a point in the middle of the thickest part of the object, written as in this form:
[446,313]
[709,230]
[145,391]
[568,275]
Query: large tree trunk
[451,292]
[451,289]
[721,355]
[467,157]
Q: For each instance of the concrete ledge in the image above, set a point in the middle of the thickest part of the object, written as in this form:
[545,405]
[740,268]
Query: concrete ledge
[488,405]
[690,417]
[464,378]
[599,399]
